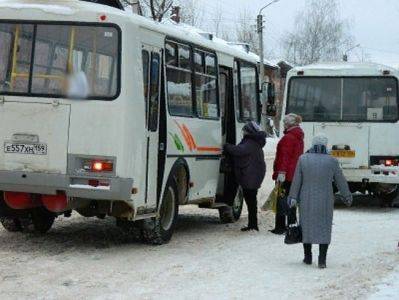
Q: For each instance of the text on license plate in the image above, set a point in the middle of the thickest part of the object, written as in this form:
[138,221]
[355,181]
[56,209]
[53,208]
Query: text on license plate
[343,153]
[34,149]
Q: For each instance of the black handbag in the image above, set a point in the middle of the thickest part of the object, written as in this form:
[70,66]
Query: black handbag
[293,235]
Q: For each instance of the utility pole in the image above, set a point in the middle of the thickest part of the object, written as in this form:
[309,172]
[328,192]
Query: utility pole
[260,28]
[261,47]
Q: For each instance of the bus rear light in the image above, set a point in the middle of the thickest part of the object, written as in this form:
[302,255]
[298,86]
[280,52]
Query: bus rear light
[300,73]
[98,166]
[389,162]
[386,72]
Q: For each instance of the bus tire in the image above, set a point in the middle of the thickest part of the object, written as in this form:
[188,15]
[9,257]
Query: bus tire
[231,214]
[11,224]
[387,199]
[133,230]
[42,220]
[159,230]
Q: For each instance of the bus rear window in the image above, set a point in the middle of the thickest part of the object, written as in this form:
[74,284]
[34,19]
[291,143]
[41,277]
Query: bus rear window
[48,59]
[347,99]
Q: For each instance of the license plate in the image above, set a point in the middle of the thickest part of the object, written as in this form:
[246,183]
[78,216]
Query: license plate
[343,153]
[33,149]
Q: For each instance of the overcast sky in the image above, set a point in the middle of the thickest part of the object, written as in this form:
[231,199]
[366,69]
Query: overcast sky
[375,23]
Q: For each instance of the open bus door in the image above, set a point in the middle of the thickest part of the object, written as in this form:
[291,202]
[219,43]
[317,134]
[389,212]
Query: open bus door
[227,109]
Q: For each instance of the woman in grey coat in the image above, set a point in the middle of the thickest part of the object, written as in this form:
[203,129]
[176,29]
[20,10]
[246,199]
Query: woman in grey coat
[312,189]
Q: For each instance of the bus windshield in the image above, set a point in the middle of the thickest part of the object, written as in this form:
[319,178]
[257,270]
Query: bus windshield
[348,99]
[59,60]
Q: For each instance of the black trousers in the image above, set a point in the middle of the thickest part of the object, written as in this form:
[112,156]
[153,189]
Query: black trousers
[323,248]
[284,219]
[252,204]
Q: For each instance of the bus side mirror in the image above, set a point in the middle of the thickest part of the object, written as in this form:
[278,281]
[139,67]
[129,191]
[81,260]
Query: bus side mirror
[269,99]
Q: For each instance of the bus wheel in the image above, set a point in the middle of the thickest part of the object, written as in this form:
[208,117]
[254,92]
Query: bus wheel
[42,220]
[388,195]
[231,214]
[133,230]
[11,224]
[159,230]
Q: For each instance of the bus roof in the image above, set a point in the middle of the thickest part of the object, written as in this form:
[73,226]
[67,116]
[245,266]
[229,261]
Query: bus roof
[344,69]
[67,9]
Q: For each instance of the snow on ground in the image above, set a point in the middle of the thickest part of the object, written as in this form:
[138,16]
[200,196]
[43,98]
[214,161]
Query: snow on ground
[91,259]
[389,289]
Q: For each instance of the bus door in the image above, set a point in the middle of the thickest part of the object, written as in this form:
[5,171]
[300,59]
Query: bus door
[152,83]
[227,110]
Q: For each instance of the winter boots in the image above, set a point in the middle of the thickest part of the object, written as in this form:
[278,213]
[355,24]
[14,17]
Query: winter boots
[308,254]
[322,255]
[244,229]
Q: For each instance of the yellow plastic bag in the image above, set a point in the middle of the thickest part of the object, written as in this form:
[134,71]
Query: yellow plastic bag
[271,202]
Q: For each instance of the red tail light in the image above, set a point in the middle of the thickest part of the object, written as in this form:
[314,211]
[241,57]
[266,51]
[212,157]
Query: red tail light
[98,166]
[389,162]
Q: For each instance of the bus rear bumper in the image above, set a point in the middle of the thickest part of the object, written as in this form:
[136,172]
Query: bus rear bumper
[50,184]
[376,174]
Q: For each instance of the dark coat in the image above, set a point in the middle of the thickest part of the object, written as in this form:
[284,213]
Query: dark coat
[289,149]
[249,160]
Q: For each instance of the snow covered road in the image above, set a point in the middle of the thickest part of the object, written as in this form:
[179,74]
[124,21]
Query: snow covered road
[91,259]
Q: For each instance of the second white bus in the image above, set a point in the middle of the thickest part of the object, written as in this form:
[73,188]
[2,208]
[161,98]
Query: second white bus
[356,106]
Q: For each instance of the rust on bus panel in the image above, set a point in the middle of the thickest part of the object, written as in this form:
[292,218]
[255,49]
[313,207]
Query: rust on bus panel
[190,141]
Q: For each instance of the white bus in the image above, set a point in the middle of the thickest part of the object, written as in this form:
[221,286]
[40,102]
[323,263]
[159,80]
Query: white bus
[111,114]
[356,106]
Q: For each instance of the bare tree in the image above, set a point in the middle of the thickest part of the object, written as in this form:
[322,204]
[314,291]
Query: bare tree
[191,12]
[157,8]
[321,34]
[217,22]
[246,31]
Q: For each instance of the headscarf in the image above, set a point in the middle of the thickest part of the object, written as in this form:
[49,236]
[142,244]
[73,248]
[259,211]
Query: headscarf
[292,120]
[319,144]
[251,128]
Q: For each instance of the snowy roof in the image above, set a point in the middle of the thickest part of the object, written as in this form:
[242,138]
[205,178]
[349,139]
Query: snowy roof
[69,8]
[344,69]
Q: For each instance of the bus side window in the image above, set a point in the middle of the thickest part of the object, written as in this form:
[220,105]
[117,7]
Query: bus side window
[179,80]
[154,93]
[206,85]
[248,92]
[146,62]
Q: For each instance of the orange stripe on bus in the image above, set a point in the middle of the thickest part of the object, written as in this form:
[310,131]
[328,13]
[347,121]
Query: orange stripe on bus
[209,149]
[186,137]
[190,141]
[190,136]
